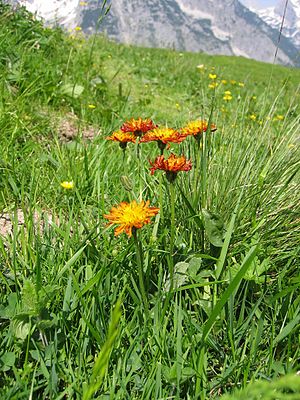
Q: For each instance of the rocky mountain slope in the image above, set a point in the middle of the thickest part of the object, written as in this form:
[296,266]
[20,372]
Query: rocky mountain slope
[273,17]
[211,26]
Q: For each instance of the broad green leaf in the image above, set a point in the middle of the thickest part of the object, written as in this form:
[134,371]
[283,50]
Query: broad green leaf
[72,90]
[214,228]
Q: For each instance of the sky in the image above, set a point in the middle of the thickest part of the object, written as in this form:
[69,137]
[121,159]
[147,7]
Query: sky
[259,3]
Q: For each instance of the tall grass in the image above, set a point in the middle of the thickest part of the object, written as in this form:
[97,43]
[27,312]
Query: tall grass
[231,314]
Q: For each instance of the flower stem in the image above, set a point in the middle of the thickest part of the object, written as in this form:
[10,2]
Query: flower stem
[172,232]
[139,259]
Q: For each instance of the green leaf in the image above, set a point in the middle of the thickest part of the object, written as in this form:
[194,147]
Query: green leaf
[214,228]
[288,329]
[230,289]
[102,360]
[8,360]
[72,90]
[21,326]
[10,310]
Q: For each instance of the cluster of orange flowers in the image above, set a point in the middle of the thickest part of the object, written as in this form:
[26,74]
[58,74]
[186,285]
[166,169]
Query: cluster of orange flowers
[147,131]
[132,215]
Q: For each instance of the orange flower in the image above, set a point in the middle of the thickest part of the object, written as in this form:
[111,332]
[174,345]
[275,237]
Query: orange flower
[130,216]
[196,128]
[138,126]
[122,137]
[171,165]
[164,135]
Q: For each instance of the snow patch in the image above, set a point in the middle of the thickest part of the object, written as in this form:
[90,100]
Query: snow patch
[239,52]
[192,12]
[54,11]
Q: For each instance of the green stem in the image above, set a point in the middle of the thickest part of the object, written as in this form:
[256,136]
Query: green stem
[172,232]
[198,158]
[203,171]
[139,259]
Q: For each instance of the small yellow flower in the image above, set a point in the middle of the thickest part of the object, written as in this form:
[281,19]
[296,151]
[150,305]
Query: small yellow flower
[212,76]
[224,81]
[177,105]
[228,92]
[241,84]
[213,85]
[92,106]
[83,3]
[291,145]
[233,82]
[253,117]
[279,117]
[67,185]
[78,28]
[200,66]
[253,98]
[227,97]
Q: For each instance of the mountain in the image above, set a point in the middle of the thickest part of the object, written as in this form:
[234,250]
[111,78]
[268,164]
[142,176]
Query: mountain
[211,26]
[273,17]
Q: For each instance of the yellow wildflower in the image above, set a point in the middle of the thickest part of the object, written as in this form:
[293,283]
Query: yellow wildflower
[212,76]
[224,81]
[78,28]
[67,185]
[92,106]
[241,84]
[253,117]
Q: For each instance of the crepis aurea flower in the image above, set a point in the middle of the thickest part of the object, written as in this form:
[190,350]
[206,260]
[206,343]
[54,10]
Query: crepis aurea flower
[172,165]
[67,185]
[130,216]
[138,126]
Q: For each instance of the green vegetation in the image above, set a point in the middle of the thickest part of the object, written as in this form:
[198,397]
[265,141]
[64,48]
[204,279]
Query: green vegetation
[201,302]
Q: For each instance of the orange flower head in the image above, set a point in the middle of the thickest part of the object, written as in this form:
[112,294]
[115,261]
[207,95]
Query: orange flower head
[130,216]
[138,126]
[122,137]
[163,135]
[196,128]
[171,165]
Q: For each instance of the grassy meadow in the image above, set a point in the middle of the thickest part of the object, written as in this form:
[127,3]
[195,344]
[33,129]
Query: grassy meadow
[202,300]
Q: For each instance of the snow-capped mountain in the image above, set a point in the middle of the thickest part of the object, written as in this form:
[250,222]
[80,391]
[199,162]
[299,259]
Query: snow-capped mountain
[212,26]
[54,12]
[273,16]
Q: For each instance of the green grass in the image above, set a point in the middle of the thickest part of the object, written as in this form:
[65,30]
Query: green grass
[74,321]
